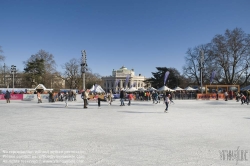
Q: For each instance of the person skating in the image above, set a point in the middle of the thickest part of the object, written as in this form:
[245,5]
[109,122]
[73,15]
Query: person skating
[243,98]
[7,96]
[85,96]
[167,102]
[96,97]
[155,97]
[110,96]
[130,97]
[226,96]
[66,97]
[122,95]
[39,97]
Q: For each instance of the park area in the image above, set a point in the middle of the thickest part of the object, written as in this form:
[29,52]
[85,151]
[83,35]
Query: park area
[191,133]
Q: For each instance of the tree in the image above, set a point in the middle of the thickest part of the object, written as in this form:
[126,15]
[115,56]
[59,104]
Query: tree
[73,76]
[72,73]
[193,67]
[228,55]
[34,71]
[92,79]
[49,64]
[157,81]
[2,57]
[231,55]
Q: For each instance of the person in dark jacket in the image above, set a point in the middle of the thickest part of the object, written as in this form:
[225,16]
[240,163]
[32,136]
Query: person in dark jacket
[122,96]
[7,96]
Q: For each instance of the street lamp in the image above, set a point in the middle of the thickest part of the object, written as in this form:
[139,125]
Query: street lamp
[201,66]
[4,74]
[84,67]
[246,72]
[13,70]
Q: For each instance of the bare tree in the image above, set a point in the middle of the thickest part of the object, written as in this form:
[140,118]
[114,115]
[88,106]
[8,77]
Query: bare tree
[228,55]
[192,68]
[73,76]
[2,57]
[231,54]
[72,73]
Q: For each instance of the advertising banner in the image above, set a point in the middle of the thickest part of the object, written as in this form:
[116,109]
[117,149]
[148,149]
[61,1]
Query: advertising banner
[13,97]
[210,96]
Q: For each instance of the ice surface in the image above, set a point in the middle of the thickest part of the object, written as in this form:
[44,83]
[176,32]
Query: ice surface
[191,133]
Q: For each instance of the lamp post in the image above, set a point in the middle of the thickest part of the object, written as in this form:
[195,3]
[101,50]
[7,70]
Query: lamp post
[83,67]
[246,73]
[201,66]
[13,70]
[4,74]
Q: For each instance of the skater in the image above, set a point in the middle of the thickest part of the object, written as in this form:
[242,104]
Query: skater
[155,97]
[85,96]
[237,96]
[66,98]
[159,98]
[50,96]
[167,102]
[39,97]
[7,96]
[243,98]
[130,97]
[122,95]
[110,96]
[96,97]
[226,95]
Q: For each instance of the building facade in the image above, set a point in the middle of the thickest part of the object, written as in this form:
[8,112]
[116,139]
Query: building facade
[117,80]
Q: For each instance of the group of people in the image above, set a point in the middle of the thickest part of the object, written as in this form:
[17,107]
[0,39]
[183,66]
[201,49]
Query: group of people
[100,98]
[109,98]
[244,97]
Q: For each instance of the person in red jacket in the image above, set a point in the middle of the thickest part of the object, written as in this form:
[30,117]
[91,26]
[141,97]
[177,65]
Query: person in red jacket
[243,98]
[130,97]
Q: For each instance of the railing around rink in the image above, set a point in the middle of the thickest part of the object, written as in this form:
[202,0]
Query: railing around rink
[199,96]
[184,96]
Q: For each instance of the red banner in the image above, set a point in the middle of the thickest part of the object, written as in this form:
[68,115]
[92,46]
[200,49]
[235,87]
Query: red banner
[221,96]
[13,97]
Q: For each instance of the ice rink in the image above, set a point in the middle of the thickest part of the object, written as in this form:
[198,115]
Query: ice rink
[204,133]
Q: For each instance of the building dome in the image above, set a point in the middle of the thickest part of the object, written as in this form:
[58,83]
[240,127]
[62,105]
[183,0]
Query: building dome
[123,68]
[121,75]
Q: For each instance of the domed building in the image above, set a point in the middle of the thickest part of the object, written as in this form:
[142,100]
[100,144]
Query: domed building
[117,80]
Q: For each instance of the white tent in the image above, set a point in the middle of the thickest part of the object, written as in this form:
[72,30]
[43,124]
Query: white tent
[142,89]
[132,89]
[189,88]
[152,89]
[165,88]
[97,90]
[178,88]
[40,86]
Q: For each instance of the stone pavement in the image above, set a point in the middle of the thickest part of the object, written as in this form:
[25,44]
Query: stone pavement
[205,133]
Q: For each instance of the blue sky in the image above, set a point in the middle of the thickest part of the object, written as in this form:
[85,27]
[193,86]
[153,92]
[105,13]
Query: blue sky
[139,34]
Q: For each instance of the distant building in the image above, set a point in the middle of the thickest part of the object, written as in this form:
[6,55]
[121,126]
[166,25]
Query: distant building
[6,80]
[117,80]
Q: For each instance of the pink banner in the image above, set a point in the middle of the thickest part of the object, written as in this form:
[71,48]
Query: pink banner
[13,97]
